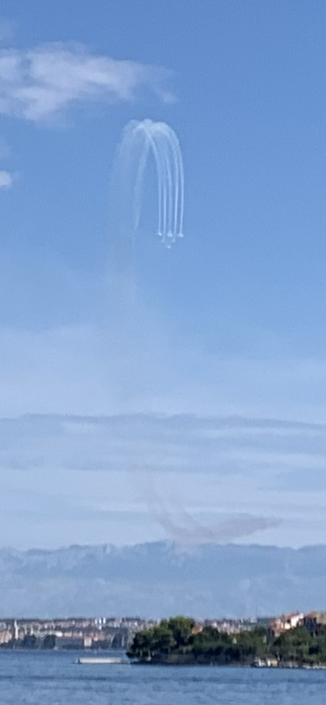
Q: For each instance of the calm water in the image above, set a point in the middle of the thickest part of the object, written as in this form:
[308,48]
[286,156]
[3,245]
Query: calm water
[54,679]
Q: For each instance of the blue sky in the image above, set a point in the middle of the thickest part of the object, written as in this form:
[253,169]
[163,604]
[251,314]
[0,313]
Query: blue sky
[216,379]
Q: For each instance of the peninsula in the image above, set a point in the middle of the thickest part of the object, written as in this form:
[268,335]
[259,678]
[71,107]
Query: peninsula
[180,641]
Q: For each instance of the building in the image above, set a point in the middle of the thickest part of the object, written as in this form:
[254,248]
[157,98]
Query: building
[282,624]
[315,622]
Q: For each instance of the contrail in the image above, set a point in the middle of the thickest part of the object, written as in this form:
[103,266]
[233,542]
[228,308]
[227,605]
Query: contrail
[140,139]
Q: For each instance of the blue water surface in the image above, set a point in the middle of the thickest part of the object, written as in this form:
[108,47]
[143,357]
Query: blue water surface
[55,679]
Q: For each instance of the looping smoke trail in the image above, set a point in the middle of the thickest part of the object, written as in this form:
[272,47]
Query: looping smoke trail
[141,139]
[185,529]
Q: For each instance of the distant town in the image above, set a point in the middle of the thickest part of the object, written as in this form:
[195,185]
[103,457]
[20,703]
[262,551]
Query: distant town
[118,633]
[71,632]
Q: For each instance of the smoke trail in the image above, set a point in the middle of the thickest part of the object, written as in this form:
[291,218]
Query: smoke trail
[140,139]
[183,528]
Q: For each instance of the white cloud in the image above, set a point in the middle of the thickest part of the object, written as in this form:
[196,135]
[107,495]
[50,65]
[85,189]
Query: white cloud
[40,83]
[129,408]
[6,179]
[162,443]
[95,370]
[157,471]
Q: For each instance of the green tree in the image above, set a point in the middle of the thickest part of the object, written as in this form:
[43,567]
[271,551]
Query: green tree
[294,645]
[49,641]
[211,645]
[163,640]
[141,646]
[182,629]
[29,641]
[252,644]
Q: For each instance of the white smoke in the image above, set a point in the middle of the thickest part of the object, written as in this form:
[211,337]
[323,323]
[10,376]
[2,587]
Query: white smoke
[141,139]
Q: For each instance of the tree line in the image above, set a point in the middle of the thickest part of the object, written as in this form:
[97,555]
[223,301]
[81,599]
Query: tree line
[178,641]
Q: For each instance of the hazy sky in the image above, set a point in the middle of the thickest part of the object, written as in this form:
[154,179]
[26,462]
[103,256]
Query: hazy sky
[206,401]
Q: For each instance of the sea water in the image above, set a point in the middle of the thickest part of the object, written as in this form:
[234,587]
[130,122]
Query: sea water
[55,679]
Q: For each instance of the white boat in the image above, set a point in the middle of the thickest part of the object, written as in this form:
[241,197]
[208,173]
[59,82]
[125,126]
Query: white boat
[101,660]
[258,663]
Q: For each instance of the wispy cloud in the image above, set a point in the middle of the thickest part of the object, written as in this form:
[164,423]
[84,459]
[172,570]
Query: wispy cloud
[194,478]
[42,82]
[184,443]
[121,396]
[6,179]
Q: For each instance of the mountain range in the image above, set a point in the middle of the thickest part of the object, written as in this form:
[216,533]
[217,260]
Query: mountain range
[153,580]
